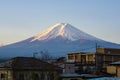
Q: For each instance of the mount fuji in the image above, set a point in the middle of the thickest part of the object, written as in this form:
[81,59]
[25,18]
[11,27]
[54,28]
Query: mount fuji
[58,40]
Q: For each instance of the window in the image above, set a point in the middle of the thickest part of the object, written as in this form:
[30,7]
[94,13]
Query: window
[70,57]
[73,79]
[42,76]
[3,75]
[35,76]
[48,76]
[21,76]
[52,76]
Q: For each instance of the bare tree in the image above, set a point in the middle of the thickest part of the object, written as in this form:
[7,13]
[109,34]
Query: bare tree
[45,56]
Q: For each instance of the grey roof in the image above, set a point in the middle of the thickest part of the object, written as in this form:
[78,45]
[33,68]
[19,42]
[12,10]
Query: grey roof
[105,78]
[116,63]
[89,75]
[70,75]
[78,75]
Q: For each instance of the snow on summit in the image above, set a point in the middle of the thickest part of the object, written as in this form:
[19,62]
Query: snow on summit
[65,31]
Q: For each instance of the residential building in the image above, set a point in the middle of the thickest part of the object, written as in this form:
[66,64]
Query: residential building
[93,62]
[28,68]
[105,56]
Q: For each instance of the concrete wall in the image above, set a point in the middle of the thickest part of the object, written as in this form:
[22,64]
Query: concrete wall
[69,68]
[72,78]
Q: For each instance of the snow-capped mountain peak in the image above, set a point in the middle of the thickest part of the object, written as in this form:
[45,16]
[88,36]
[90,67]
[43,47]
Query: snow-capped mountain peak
[63,30]
[58,40]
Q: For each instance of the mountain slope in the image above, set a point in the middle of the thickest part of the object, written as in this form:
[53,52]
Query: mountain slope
[1,44]
[58,40]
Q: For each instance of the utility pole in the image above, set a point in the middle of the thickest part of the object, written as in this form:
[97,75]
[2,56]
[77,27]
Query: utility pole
[96,46]
[96,62]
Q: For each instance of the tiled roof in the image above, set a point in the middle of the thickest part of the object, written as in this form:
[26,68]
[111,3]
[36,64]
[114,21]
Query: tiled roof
[27,63]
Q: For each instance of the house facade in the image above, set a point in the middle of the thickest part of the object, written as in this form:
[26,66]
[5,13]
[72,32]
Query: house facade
[96,62]
[83,58]
[105,56]
[82,62]
[28,68]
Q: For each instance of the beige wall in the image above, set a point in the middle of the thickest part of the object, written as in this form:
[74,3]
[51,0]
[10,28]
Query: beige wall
[100,50]
[80,57]
[118,71]
[114,70]
[108,51]
[111,69]
[91,57]
[9,74]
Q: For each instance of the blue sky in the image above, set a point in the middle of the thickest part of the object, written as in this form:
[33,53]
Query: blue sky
[21,19]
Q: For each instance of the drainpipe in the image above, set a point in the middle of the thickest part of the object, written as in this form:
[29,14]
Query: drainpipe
[116,71]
